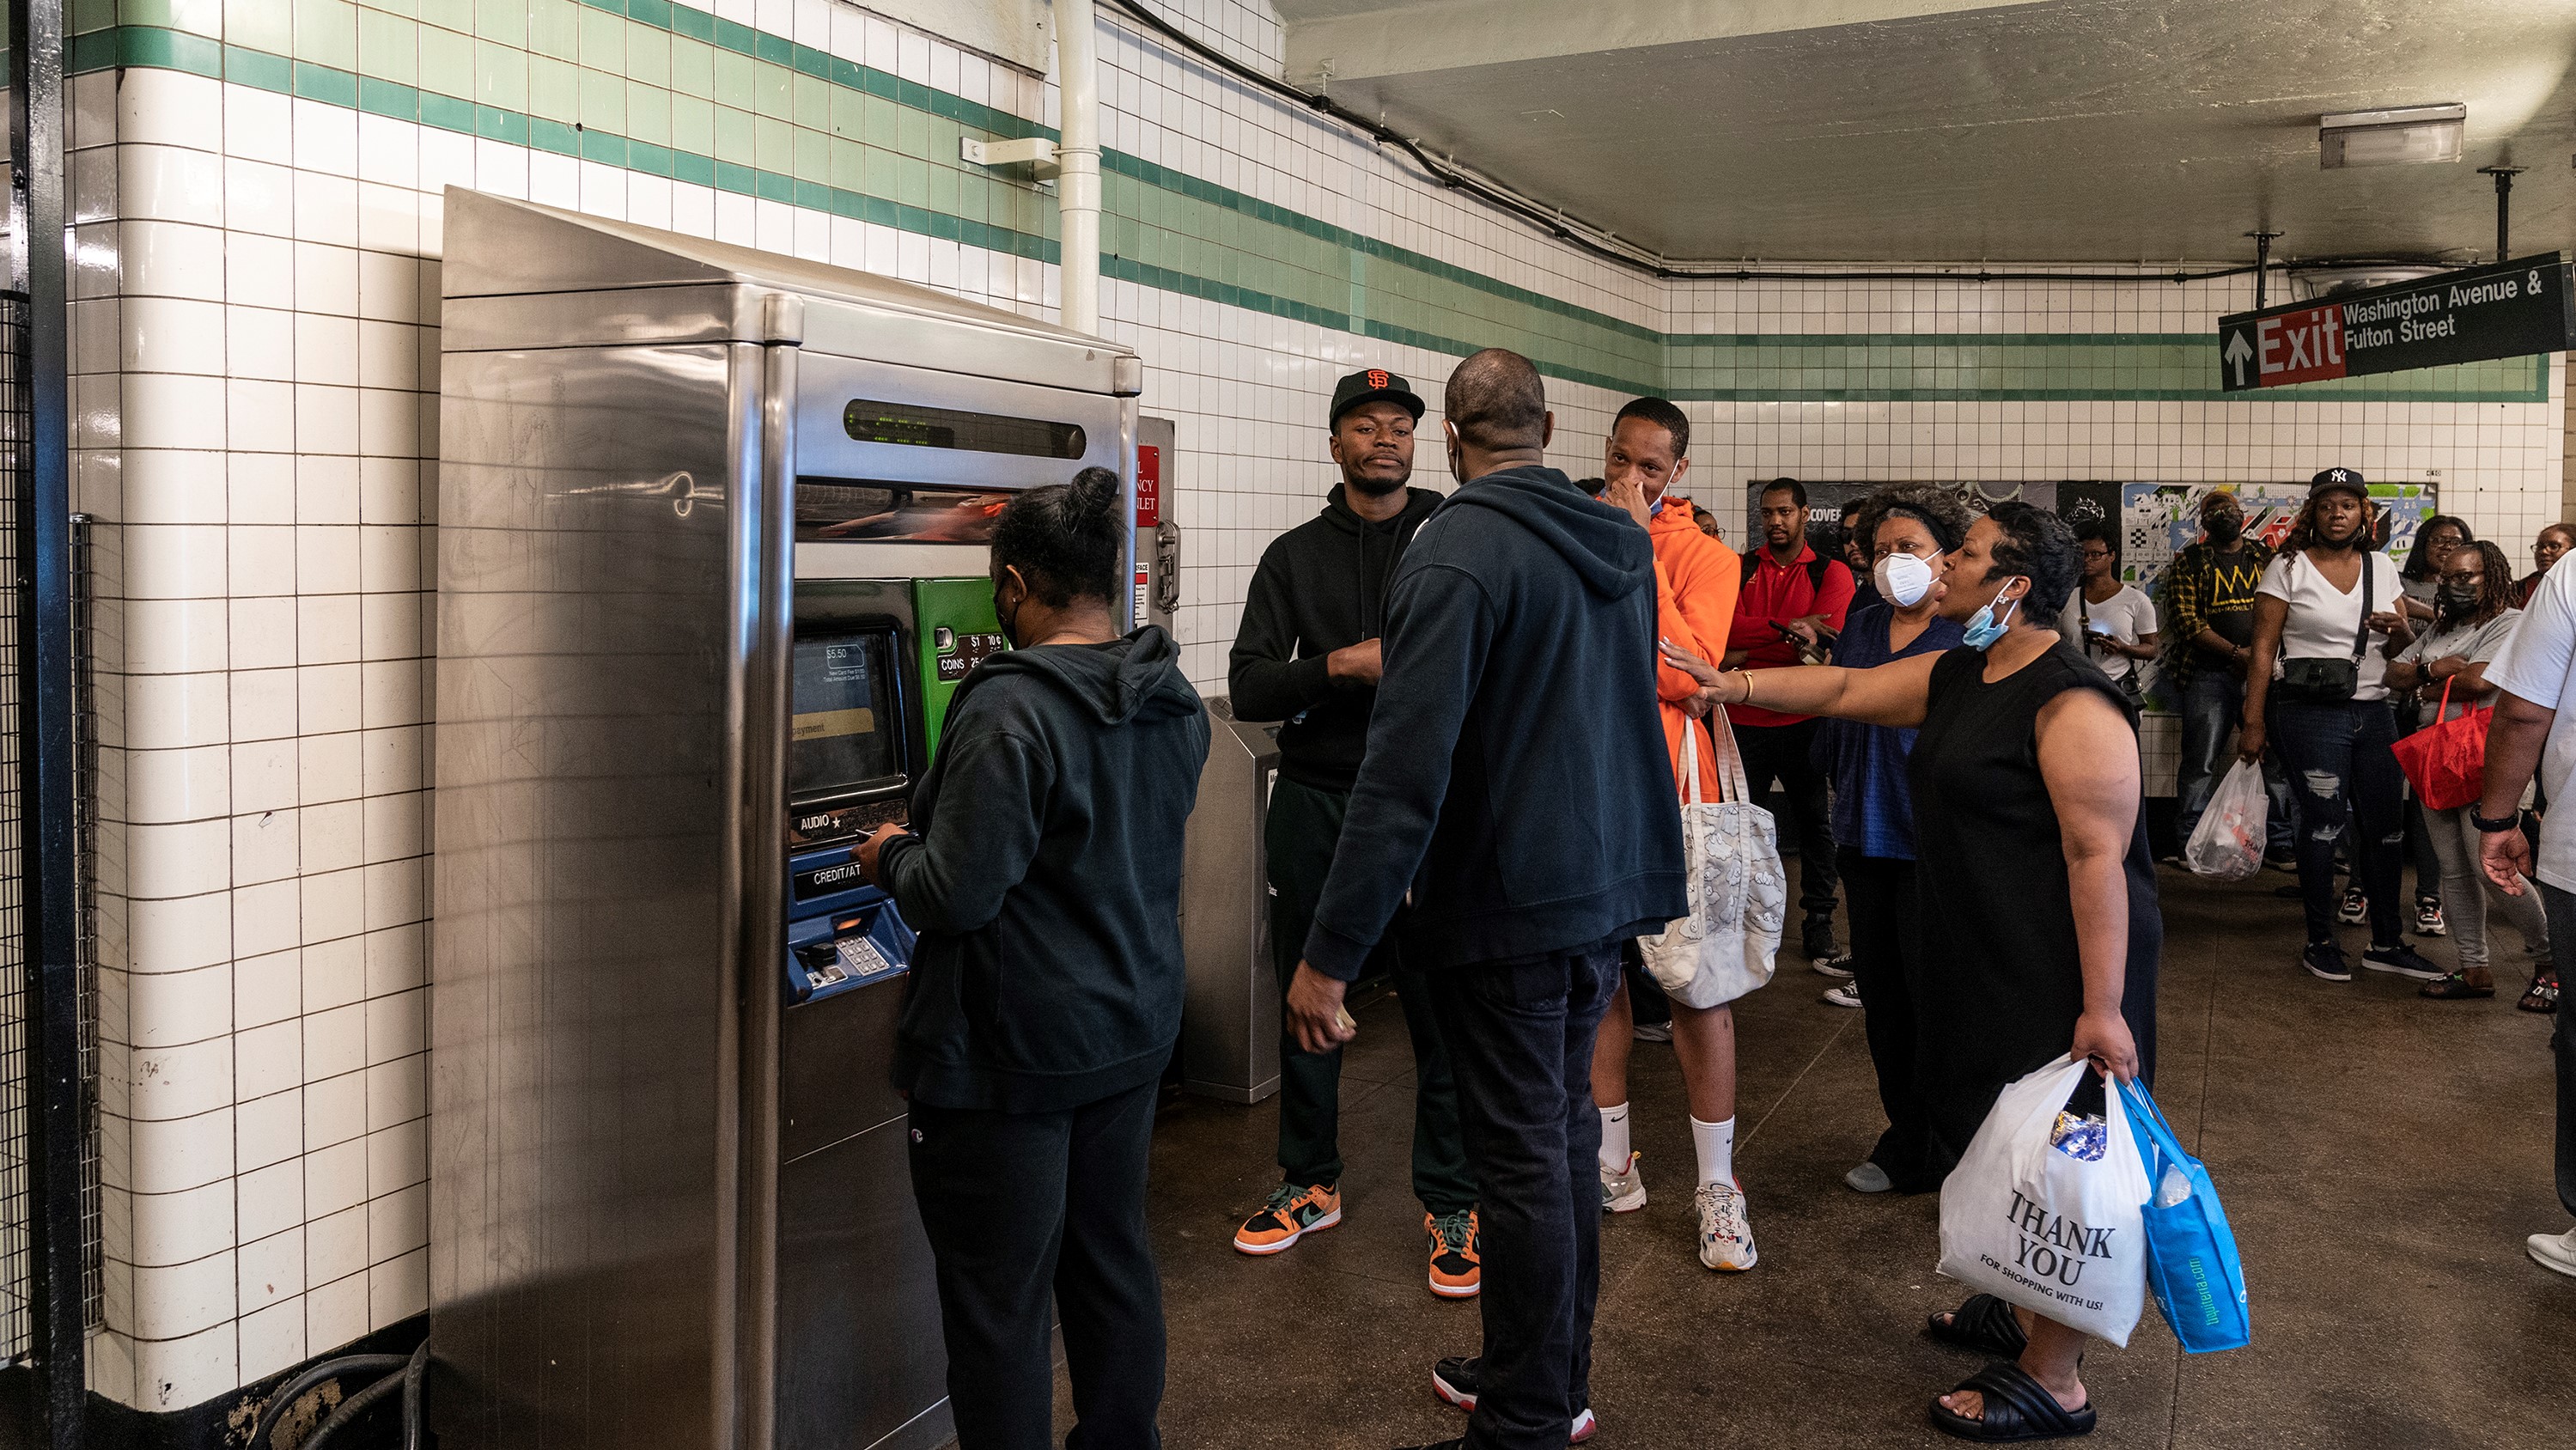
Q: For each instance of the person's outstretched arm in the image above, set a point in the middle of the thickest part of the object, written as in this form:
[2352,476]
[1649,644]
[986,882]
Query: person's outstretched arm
[1895,693]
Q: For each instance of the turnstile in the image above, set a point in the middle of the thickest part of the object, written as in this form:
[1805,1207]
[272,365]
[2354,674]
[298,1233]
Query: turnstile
[1230,1024]
[712,531]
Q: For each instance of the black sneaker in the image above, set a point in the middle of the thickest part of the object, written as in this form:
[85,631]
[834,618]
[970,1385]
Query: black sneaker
[2404,960]
[2325,960]
[1818,938]
[1456,1380]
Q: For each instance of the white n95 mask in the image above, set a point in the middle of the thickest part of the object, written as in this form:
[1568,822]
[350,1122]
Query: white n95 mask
[1903,579]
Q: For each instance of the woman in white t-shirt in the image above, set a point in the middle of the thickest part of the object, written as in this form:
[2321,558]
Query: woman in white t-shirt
[2326,619]
[2473,617]
[2117,622]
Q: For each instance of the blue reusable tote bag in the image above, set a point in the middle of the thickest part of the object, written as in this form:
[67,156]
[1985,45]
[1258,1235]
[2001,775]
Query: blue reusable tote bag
[2191,1253]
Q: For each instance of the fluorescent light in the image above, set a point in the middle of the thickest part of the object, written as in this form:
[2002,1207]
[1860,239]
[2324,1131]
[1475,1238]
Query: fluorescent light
[2398,136]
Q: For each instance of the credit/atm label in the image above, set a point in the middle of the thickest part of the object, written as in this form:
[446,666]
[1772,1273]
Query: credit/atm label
[824,880]
[971,650]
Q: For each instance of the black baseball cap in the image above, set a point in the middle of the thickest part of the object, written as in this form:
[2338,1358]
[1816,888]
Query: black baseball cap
[2339,478]
[1373,385]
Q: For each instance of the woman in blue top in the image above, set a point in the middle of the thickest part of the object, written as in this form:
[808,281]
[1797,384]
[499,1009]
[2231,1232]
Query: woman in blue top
[1907,531]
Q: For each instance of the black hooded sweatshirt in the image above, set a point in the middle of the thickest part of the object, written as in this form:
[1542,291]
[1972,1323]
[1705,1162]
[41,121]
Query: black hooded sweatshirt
[1044,876]
[1321,587]
[1517,780]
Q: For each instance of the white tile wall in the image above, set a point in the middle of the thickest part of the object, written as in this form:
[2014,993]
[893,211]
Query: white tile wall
[257,365]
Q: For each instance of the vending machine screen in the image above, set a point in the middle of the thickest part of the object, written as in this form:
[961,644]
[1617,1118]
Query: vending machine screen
[846,726]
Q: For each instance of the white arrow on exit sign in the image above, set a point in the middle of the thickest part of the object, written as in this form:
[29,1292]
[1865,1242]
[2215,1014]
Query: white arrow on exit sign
[2237,354]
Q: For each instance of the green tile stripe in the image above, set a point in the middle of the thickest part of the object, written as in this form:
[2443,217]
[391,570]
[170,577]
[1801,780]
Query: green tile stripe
[1180,233]
[1953,367]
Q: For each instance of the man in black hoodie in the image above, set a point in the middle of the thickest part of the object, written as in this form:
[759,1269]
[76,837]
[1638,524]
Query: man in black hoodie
[1518,784]
[1307,654]
[1043,872]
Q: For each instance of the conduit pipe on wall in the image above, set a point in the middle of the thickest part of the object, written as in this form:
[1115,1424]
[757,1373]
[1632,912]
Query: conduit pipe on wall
[1077,58]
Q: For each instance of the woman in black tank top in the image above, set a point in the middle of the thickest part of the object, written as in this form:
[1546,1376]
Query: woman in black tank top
[2040,923]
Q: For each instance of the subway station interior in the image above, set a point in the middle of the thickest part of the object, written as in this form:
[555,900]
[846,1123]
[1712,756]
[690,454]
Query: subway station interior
[725,727]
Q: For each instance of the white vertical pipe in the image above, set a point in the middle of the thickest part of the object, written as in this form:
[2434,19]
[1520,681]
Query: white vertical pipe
[1077,56]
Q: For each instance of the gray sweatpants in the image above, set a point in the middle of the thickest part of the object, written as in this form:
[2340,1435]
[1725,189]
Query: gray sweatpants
[2466,892]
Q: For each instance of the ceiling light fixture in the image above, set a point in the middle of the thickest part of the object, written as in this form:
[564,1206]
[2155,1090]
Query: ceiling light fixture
[2399,136]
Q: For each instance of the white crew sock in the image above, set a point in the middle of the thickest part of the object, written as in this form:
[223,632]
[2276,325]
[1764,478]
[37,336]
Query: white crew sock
[1614,1138]
[1715,1143]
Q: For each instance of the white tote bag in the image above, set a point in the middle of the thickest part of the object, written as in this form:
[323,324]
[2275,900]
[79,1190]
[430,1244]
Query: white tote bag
[1739,895]
[2045,1210]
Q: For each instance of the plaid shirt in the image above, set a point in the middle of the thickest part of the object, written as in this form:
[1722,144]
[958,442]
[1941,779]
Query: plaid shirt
[2184,597]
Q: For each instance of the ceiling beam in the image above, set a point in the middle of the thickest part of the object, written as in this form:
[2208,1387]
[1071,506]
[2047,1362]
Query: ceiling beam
[1329,40]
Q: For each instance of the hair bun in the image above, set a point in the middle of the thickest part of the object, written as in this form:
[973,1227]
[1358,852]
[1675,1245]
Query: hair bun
[1092,499]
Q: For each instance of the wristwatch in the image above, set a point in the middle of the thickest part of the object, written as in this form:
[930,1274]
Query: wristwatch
[2512,821]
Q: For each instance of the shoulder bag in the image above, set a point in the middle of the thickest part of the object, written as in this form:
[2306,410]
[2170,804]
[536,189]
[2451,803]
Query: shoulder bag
[1739,895]
[2331,680]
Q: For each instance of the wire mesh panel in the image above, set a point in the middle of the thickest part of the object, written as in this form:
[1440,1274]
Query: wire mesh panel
[17,1201]
[85,898]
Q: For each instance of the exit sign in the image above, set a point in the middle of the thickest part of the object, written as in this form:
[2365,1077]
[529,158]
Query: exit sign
[2510,309]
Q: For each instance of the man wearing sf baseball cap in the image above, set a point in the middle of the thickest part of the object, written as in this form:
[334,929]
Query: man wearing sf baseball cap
[1307,653]
[1372,385]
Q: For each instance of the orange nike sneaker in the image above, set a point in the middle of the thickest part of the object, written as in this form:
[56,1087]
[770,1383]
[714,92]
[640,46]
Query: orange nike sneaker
[1457,1265]
[1289,1215]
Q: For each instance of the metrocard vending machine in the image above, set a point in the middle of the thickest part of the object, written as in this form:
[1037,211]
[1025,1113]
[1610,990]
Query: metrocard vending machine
[713,532]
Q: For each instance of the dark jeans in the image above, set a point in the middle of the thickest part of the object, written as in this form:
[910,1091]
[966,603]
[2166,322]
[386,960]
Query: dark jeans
[2561,907]
[1305,823]
[2212,702]
[1021,1206]
[1520,1035]
[2341,769]
[1881,896]
[1786,753]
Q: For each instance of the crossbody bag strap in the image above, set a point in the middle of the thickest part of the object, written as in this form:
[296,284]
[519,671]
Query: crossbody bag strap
[2369,577]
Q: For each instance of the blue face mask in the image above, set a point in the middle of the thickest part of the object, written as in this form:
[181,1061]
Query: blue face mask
[1983,628]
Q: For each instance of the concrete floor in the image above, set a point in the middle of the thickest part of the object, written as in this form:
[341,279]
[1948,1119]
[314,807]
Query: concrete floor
[2382,1158]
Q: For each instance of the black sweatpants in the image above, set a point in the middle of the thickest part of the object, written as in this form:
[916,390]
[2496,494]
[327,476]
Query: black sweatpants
[1022,1208]
[1881,895]
[1520,1040]
[1786,753]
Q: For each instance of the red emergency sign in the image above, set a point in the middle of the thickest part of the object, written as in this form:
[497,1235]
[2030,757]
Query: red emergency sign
[1149,485]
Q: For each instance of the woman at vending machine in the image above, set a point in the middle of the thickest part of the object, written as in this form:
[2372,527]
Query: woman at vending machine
[1042,869]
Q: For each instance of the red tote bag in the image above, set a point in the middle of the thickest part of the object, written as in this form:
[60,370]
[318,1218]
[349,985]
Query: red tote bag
[2447,762]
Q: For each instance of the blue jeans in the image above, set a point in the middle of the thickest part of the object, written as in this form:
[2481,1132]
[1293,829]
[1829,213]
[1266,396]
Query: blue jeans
[2561,907]
[1520,1042]
[2341,769]
[2212,700]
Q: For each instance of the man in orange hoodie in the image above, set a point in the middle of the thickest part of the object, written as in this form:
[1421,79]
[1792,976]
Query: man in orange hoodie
[1696,579]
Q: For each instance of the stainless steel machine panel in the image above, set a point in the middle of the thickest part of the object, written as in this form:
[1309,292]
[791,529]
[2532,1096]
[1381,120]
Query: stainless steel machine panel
[1230,1018]
[582,1137]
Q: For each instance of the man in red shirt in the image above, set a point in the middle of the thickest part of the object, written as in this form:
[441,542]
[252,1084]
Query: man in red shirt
[1791,598]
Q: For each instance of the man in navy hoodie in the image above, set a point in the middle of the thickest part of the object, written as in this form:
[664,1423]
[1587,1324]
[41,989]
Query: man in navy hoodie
[1517,784]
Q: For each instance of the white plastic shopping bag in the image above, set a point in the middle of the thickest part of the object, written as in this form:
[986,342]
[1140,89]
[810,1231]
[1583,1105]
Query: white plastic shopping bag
[2044,1210]
[1739,895]
[2227,845]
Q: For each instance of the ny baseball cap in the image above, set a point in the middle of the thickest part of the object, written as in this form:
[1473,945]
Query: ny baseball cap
[2338,478]
[1373,385]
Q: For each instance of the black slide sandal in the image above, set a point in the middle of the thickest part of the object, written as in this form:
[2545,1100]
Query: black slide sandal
[1984,1323]
[2017,1408]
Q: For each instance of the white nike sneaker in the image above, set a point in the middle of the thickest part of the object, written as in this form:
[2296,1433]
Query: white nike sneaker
[2554,1251]
[1625,1190]
[1725,1232]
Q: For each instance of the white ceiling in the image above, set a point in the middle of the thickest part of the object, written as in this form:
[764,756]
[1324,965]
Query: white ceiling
[1882,130]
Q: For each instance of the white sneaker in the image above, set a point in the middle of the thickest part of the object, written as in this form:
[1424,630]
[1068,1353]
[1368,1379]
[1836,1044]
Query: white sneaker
[1845,995]
[1625,1190]
[2554,1251]
[1725,1233]
[1834,966]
